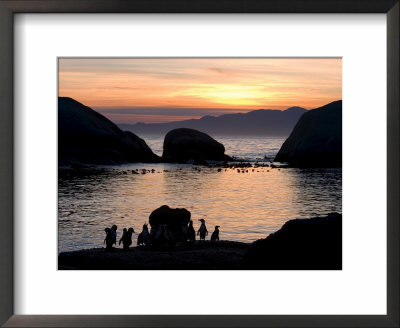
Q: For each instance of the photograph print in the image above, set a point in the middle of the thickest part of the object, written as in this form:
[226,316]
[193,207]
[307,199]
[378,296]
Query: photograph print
[199,163]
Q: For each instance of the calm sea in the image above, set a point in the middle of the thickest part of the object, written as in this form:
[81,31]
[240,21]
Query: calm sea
[247,206]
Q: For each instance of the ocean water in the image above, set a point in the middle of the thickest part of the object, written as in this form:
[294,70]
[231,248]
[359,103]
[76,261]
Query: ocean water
[248,206]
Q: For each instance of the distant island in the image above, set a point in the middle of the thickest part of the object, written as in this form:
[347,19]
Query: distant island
[262,122]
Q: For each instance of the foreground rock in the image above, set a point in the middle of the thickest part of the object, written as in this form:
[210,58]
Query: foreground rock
[316,140]
[223,255]
[176,221]
[87,137]
[301,244]
[182,145]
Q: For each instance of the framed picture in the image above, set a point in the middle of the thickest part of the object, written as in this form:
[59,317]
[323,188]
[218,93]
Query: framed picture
[103,106]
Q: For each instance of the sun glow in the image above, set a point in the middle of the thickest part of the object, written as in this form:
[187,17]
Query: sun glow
[225,94]
[231,84]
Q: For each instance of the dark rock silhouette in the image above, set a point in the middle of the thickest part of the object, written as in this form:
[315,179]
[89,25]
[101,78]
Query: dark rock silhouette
[316,140]
[87,137]
[172,219]
[301,244]
[182,145]
[262,122]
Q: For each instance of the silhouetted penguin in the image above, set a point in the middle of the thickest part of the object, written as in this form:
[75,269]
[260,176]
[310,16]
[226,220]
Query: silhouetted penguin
[114,234]
[144,236]
[191,232]
[127,239]
[215,234]
[203,230]
[108,239]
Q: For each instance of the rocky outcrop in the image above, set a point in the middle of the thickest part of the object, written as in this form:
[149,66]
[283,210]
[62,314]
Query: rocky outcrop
[166,221]
[301,244]
[87,137]
[182,145]
[316,140]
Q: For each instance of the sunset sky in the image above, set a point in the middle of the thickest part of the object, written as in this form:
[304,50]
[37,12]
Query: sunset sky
[171,89]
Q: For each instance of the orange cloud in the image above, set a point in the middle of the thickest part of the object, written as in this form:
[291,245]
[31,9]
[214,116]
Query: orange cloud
[241,84]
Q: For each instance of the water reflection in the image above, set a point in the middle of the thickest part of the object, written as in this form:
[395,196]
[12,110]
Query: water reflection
[247,206]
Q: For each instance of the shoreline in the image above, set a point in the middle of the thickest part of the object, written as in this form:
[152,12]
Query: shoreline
[200,255]
[300,244]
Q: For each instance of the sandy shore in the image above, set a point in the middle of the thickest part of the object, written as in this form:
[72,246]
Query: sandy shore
[222,255]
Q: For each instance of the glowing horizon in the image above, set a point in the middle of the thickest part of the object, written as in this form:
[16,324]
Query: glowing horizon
[130,90]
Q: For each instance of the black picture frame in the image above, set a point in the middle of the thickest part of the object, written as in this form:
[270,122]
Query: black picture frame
[10,7]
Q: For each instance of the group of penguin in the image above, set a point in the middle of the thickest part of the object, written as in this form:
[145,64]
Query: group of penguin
[161,232]
[202,232]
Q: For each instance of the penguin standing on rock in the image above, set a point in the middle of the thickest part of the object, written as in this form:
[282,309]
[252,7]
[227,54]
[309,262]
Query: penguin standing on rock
[144,236]
[108,239]
[127,239]
[203,230]
[114,234]
[111,236]
[191,232]
[215,234]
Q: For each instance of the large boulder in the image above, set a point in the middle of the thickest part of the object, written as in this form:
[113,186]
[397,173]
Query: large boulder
[176,220]
[182,145]
[87,137]
[316,140]
[301,244]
